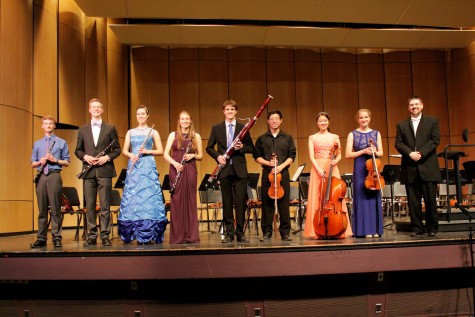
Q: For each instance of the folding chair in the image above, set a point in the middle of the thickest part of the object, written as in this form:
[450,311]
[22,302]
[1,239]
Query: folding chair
[73,207]
[114,208]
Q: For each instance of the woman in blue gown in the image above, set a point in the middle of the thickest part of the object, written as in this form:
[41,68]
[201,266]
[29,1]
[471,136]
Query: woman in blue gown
[367,206]
[142,210]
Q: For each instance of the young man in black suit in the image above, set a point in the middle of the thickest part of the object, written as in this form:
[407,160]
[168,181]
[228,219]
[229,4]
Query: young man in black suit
[94,138]
[417,139]
[233,177]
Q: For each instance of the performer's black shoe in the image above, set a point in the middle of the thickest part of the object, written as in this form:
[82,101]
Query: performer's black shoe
[416,234]
[90,243]
[57,244]
[286,238]
[266,237]
[106,242]
[242,239]
[227,239]
[38,244]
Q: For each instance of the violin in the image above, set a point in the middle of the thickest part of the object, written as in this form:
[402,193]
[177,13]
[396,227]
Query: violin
[331,221]
[374,180]
[276,191]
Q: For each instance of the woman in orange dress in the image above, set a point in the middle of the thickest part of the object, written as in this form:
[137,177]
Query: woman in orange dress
[321,147]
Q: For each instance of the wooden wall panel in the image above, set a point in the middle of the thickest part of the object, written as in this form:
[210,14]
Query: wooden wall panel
[371,94]
[281,81]
[340,96]
[95,75]
[309,100]
[397,77]
[17,216]
[248,87]
[213,91]
[45,65]
[71,78]
[16,54]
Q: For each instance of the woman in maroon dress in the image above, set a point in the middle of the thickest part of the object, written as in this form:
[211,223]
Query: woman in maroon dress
[183,149]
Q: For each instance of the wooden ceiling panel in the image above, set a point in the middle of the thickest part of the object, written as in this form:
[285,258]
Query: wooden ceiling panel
[264,14]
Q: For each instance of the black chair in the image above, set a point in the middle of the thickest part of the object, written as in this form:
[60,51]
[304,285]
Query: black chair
[254,203]
[72,205]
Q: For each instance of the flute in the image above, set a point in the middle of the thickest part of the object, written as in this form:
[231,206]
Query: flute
[143,144]
[178,174]
[88,167]
[40,171]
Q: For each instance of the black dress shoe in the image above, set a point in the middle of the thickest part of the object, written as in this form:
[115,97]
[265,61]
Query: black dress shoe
[38,244]
[90,243]
[57,244]
[227,239]
[106,242]
[266,237]
[416,234]
[242,239]
[432,234]
[286,238]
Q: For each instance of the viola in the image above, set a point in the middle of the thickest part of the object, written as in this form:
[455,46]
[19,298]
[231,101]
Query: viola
[331,221]
[374,180]
[276,191]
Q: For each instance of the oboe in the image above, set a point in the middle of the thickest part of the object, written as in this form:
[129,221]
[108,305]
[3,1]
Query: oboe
[178,174]
[40,171]
[143,144]
[88,167]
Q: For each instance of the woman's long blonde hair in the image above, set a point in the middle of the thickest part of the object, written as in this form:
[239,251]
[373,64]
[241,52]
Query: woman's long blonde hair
[191,131]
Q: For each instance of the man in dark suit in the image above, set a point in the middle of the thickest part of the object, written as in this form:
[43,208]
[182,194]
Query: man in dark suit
[417,139]
[97,146]
[234,173]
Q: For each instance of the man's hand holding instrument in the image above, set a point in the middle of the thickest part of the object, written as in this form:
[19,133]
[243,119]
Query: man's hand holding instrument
[44,161]
[94,161]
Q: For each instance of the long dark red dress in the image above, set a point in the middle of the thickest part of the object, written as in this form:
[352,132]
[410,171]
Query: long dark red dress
[184,226]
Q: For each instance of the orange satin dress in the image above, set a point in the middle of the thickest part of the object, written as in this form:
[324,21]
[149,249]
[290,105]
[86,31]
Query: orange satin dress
[323,144]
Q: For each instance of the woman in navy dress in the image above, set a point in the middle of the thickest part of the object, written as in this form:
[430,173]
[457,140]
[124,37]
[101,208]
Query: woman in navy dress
[367,205]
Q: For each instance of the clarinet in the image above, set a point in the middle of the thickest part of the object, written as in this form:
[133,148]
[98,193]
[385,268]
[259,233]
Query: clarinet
[240,136]
[40,171]
[178,174]
[88,167]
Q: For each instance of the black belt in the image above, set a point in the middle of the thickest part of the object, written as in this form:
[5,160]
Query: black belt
[54,171]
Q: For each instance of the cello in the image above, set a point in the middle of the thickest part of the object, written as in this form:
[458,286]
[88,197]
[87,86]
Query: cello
[331,221]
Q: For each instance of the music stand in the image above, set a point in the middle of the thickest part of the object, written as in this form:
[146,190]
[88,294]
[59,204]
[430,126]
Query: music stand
[296,178]
[121,180]
[391,174]
[455,157]
[166,182]
[204,186]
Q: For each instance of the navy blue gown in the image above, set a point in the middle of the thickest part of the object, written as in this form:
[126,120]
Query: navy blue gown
[367,207]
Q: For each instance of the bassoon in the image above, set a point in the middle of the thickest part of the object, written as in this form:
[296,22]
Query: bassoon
[239,137]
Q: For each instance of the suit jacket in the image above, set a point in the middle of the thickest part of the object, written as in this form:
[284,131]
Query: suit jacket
[425,141]
[218,137]
[85,145]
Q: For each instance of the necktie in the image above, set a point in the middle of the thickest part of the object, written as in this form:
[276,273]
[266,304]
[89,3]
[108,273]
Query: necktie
[45,169]
[230,134]
[230,139]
